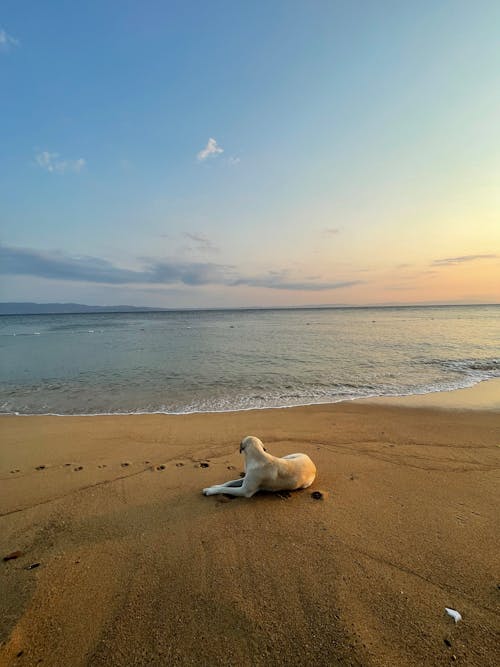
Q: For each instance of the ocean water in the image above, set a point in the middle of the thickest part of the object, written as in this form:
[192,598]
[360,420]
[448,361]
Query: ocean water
[198,361]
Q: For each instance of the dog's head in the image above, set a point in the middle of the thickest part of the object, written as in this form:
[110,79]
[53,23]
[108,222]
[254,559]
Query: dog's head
[251,443]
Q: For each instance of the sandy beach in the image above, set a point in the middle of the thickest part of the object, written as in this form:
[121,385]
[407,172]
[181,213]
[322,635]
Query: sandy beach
[134,566]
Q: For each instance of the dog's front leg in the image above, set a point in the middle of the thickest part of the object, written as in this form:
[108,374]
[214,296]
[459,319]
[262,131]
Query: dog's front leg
[243,490]
[233,482]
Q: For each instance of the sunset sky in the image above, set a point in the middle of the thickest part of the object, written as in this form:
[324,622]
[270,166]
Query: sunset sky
[206,154]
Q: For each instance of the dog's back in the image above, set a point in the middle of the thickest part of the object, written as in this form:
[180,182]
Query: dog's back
[295,471]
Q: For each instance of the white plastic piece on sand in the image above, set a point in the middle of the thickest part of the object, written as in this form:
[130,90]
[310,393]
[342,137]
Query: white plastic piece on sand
[454,614]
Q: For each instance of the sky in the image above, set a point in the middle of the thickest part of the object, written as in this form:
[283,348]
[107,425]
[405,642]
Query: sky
[266,153]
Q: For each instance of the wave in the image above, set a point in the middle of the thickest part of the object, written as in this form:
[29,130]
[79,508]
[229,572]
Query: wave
[257,401]
[488,368]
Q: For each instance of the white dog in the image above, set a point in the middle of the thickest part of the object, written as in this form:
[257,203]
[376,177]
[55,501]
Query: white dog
[264,472]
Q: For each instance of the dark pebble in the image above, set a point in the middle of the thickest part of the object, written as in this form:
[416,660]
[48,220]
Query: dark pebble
[12,556]
[448,643]
[317,495]
[19,654]
[33,566]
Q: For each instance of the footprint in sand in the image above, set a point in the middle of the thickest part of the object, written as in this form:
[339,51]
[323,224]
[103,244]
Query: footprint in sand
[179,465]
[225,498]
[202,464]
[14,471]
[125,464]
[161,467]
[41,467]
[103,465]
[78,468]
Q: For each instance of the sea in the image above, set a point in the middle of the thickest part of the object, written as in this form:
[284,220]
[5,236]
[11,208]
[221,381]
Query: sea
[224,360]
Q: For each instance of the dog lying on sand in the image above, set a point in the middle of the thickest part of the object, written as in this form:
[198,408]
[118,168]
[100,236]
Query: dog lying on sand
[264,472]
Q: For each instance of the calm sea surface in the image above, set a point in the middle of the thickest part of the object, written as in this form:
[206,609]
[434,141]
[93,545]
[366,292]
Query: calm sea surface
[227,360]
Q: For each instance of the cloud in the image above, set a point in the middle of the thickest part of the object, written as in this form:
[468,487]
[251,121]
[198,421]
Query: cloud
[279,280]
[7,41]
[51,162]
[59,266]
[451,261]
[211,150]
[233,161]
[202,242]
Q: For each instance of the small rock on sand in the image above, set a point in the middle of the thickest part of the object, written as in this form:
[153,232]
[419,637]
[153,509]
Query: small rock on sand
[13,555]
[319,495]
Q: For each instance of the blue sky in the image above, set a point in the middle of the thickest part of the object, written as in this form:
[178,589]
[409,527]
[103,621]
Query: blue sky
[267,153]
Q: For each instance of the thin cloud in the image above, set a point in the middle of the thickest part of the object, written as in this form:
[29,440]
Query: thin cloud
[202,242]
[279,280]
[59,266]
[400,288]
[233,161]
[53,163]
[450,261]
[7,41]
[211,150]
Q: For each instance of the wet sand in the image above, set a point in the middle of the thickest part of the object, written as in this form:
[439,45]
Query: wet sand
[137,567]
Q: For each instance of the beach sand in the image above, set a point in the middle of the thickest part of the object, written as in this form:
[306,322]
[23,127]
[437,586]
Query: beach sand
[137,567]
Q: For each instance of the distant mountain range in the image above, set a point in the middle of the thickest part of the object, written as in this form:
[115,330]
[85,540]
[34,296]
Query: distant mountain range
[27,308]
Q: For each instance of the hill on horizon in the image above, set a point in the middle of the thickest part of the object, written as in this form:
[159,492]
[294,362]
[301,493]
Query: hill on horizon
[32,308]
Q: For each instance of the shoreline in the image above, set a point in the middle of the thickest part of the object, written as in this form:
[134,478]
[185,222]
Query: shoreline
[469,397]
[136,566]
